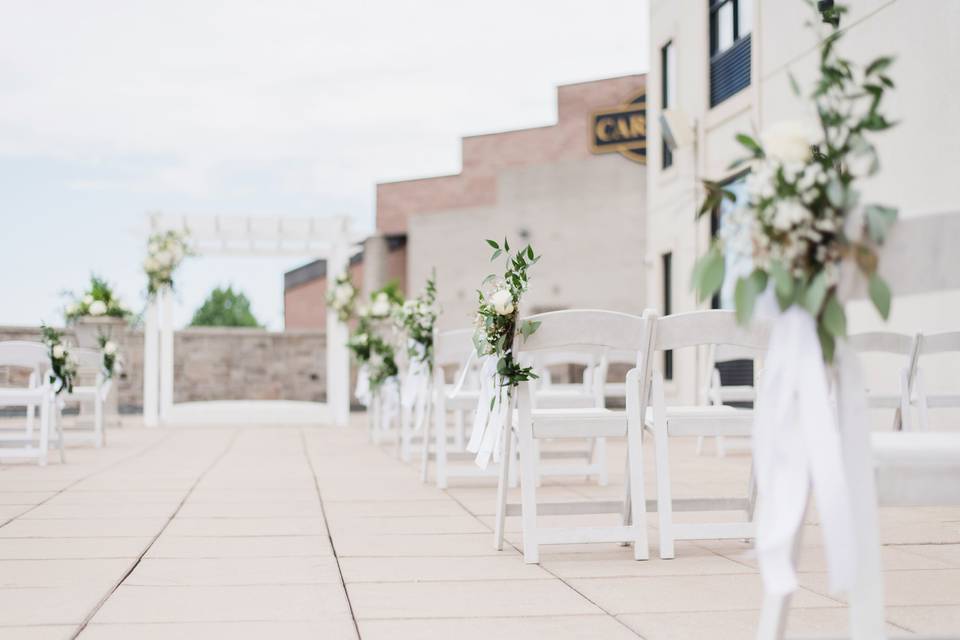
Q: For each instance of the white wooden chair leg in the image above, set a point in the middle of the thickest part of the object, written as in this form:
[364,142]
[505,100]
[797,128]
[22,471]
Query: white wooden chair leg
[636,495]
[530,472]
[425,444]
[44,433]
[662,448]
[440,448]
[503,479]
[98,422]
[721,447]
[31,414]
[514,473]
[459,435]
[58,423]
[603,476]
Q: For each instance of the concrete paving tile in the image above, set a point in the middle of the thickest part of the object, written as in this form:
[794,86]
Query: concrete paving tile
[454,544]
[47,605]
[11,511]
[948,554]
[737,625]
[239,547]
[223,603]
[62,573]
[24,497]
[55,548]
[406,525]
[112,511]
[433,569]
[77,497]
[304,508]
[333,628]
[203,494]
[393,508]
[227,527]
[506,598]
[906,588]
[38,632]
[690,560]
[684,593]
[83,528]
[944,620]
[563,627]
[234,571]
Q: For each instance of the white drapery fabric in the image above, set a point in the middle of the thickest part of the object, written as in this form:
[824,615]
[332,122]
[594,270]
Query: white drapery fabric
[493,412]
[797,446]
[415,390]
[362,391]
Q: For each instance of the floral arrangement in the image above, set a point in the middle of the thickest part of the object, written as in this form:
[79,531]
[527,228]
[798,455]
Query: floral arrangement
[63,364]
[165,251]
[803,217]
[416,318]
[498,311]
[98,300]
[342,297]
[370,347]
[110,355]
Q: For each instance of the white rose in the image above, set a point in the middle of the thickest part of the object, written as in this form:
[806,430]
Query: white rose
[789,141]
[87,299]
[98,308]
[58,351]
[153,247]
[72,309]
[342,294]
[163,258]
[109,348]
[150,264]
[381,305]
[789,214]
[502,302]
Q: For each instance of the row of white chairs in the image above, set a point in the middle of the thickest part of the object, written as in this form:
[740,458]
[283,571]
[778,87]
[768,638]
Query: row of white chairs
[42,426]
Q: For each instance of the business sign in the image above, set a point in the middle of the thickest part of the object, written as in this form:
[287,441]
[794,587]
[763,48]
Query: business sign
[621,129]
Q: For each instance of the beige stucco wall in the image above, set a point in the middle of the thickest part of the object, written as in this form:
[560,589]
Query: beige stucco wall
[584,216]
[921,157]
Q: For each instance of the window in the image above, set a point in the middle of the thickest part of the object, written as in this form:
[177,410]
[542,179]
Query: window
[668,91]
[730,26]
[667,259]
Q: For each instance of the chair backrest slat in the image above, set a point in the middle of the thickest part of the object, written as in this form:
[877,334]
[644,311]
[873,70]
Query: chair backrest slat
[585,330]
[940,342]
[697,328]
[25,354]
[452,348]
[882,342]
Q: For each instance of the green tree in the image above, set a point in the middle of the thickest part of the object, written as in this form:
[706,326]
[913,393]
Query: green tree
[224,308]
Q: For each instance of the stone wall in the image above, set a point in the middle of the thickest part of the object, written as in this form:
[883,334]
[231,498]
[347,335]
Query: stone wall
[215,363]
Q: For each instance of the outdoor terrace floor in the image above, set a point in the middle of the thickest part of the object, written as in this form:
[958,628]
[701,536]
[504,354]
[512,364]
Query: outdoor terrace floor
[306,532]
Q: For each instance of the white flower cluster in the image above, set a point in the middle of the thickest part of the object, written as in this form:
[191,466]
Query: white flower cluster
[99,301]
[165,251]
[341,297]
[784,219]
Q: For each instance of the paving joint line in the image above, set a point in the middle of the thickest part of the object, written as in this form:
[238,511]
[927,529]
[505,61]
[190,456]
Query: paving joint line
[326,525]
[136,563]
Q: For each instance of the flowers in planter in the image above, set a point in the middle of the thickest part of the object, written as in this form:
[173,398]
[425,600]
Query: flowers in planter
[497,314]
[165,251]
[416,318]
[98,301]
[110,355]
[63,364]
[342,297]
[372,342]
[803,216]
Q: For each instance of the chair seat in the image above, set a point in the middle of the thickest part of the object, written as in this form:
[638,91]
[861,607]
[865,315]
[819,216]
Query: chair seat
[709,420]
[17,396]
[583,422]
[917,468]
[464,399]
[737,393]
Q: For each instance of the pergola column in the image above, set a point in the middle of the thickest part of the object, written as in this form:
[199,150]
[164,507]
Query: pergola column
[151,370]
[338,357]
[166,353]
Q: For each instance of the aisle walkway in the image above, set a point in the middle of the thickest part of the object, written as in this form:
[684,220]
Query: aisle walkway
[313,533]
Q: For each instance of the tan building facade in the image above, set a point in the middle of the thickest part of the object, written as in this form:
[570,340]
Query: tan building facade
[581,206]
[722,68]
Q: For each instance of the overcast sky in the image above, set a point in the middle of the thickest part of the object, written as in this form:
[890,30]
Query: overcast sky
[112,108]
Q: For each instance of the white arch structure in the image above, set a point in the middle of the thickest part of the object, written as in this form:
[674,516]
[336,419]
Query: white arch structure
[329,238]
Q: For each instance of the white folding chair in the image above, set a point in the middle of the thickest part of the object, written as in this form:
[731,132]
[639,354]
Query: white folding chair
[38,394]
[614,389]
[936,343]
[688,330]
[581,330]
[716,393]
[90,369]
[452,350]
[898,344]
[590,461]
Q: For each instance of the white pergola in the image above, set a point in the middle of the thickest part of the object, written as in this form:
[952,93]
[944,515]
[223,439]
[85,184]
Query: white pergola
[329,238]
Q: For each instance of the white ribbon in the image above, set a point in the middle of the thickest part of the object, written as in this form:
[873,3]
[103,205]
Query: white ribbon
[492,414]
[362,391]
[389,395]
[796,445]
[415,390]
